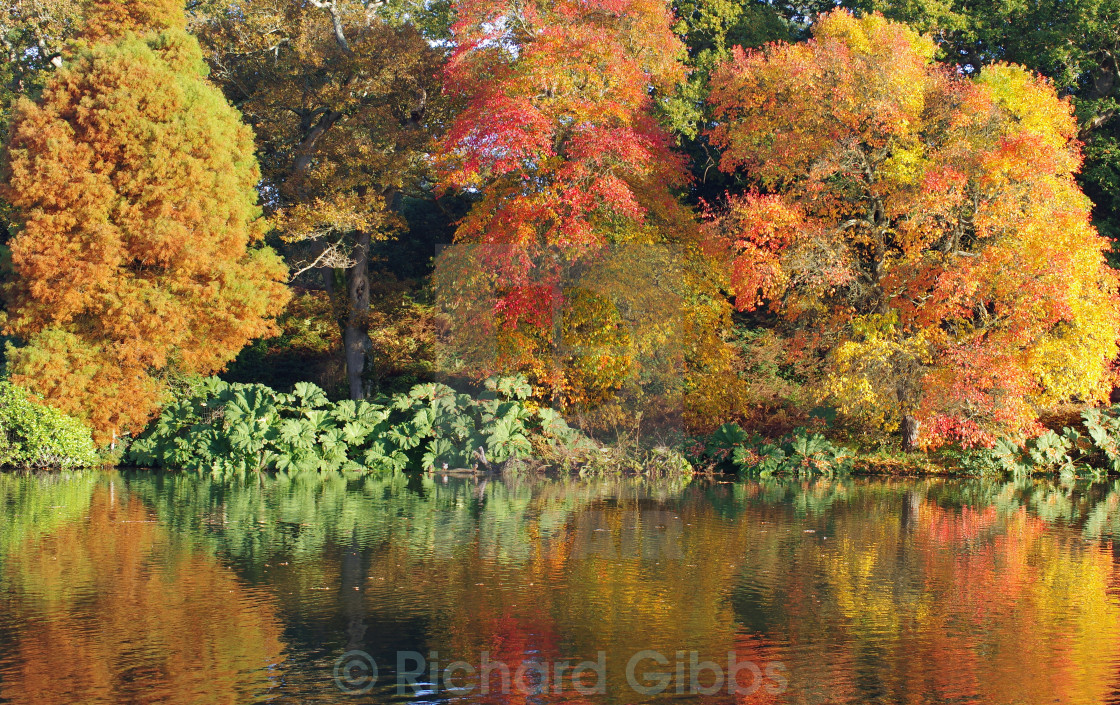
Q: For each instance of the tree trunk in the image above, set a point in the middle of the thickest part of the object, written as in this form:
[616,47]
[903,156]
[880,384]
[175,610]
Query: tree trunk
[355,336]
[355,568]
[909,433]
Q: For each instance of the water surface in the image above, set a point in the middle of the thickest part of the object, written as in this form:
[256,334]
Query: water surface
[164,588]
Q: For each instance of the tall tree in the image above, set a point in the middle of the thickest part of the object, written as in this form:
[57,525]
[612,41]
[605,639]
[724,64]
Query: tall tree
[565,274]
[343,97]
[922,229]
[134,189]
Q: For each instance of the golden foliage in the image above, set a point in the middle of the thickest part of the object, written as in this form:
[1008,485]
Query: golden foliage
[106,20]
[134,186]
[111,603]
[924,226]
[341,127]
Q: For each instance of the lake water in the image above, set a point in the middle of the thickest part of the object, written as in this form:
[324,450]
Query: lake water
[143,588]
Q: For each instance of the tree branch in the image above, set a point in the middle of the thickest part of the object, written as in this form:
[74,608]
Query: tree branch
[332,256]
[306,149]
[331,6]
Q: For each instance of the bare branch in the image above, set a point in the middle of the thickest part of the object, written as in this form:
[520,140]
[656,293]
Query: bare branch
[332,256]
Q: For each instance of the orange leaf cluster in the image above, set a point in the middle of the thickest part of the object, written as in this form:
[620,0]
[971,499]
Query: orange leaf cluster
[110,19]
[927,224]
[559,137]
[134,185]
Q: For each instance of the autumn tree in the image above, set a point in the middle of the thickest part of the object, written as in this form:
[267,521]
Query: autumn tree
[919,229]
[562,262]
[1075,44]
[557,97]
[343,98]
[134,189]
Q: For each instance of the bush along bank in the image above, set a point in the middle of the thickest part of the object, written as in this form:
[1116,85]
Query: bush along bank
[33,435]
[220,427]
[1090,451]
[214,426]
[798,454]
[211,425]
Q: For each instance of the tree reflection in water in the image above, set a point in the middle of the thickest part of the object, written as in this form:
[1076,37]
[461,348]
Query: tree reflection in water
[176,588]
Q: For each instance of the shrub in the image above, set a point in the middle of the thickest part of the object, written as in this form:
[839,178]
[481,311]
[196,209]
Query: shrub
[237,427]
[799,453]
[33,435]
[1069,453]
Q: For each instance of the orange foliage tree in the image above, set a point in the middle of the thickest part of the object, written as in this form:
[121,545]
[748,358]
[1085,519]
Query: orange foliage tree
[560,139]
[134,189]
[921,230]
[109,19]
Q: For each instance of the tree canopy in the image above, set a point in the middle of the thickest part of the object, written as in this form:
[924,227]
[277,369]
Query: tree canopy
[134,189]
[574,263]
[922,229]
[1074,43]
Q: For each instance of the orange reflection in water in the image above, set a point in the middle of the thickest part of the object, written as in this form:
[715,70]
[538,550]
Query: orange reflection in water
[864,591]
[118,610]
[957,604]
